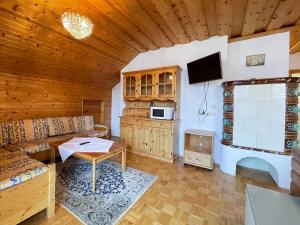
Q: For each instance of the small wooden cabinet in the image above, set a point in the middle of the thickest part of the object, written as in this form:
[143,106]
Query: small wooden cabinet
[199,148]
[148,137]
[152,84]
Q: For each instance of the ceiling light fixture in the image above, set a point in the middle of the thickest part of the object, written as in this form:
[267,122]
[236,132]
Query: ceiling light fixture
[78,26]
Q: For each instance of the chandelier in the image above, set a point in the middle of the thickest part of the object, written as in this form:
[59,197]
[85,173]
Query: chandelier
[78,26]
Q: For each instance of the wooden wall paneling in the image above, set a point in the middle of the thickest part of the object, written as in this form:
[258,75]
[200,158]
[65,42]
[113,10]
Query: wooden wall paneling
[154,14]
[94,107]
[266,14]
[253,12]
[197,18]
[286,13]
[118,19]
[51,18]
[225,16]
[210,11]
[295,40]
[239,11]
[24,97]
[133,11]
[165,9]
[181,12]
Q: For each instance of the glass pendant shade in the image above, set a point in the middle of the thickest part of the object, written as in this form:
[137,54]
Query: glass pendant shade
[78,26]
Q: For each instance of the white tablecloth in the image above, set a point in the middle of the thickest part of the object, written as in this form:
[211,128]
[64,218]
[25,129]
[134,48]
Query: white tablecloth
[95,145]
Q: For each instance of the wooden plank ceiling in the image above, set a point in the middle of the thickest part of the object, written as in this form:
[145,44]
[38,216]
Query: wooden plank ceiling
[33,41]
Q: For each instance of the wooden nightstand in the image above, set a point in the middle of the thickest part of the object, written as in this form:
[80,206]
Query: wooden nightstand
[199,148]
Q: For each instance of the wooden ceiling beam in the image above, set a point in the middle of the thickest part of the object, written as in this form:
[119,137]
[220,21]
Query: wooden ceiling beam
[165,9]
[197,18]
[117,19]
[253,12]
[266,14]
[133,11]
[294,47]
[286,14]
[181,12]
[210,11]
[239,11]
[154,14]
[225,16]
[261,34]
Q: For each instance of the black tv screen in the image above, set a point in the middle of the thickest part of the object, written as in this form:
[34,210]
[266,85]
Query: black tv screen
[205,69]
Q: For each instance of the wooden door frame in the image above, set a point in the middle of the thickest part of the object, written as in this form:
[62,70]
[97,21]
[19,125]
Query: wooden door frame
[102,105]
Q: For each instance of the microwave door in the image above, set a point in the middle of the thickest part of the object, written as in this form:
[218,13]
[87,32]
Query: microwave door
[158,113]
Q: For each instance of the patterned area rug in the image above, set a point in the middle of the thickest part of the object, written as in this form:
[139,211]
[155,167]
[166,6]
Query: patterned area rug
[116,191]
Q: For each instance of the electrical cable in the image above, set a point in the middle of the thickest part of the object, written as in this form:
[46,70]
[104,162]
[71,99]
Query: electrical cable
[203,111]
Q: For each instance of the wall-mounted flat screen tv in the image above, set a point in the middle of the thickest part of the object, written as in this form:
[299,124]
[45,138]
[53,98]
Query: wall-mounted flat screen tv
[205,69]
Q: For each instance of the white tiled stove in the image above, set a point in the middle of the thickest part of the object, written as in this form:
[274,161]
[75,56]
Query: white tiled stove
[259,116]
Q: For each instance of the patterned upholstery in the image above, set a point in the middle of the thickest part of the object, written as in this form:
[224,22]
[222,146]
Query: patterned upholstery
[60,126]
[83,123]
[30,147]
[16,167]
[4,140]
[27,130]
[92,133]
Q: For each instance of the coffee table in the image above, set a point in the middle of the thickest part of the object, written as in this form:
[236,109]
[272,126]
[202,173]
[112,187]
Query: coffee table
[94,157]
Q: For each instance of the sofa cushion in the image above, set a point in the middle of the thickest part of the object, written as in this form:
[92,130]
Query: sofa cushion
[60,126]
[4,140]
[27,130]
[83,123]
[92,133]
[16,167]
[30,147]
[65,137]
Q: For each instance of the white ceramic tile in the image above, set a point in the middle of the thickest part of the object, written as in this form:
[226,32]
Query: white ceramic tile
[240,92]
[246,108]
[269,141]
[244,138]
[257,124]
[277,125]
[238,122]
[278,91]
[272,108]
[259,92]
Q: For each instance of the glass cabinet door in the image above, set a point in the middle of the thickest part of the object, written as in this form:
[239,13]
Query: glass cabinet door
[146,84]
[165,83]
[130,85]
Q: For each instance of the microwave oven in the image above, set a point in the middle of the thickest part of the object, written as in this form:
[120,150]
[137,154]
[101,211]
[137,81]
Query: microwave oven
[162,113]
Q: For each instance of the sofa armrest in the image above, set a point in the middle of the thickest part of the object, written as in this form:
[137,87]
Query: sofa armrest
[102,128]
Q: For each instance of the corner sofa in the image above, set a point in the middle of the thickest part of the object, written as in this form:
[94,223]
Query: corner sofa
[33,136]
[27,186]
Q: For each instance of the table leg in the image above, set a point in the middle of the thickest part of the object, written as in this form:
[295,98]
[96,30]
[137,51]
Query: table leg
[124,159]
[94,176]
[52,155]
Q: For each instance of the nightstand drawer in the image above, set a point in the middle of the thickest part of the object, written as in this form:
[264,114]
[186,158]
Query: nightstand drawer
[197,158]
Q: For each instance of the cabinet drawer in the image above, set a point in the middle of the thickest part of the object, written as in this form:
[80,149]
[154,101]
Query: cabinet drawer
[145,123]
[161,124]
[127,120]
[197,158]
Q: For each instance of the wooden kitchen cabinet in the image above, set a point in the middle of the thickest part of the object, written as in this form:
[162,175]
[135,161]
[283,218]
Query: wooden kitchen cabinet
[130,86]
[153,84]
[127,135]
[151,138]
